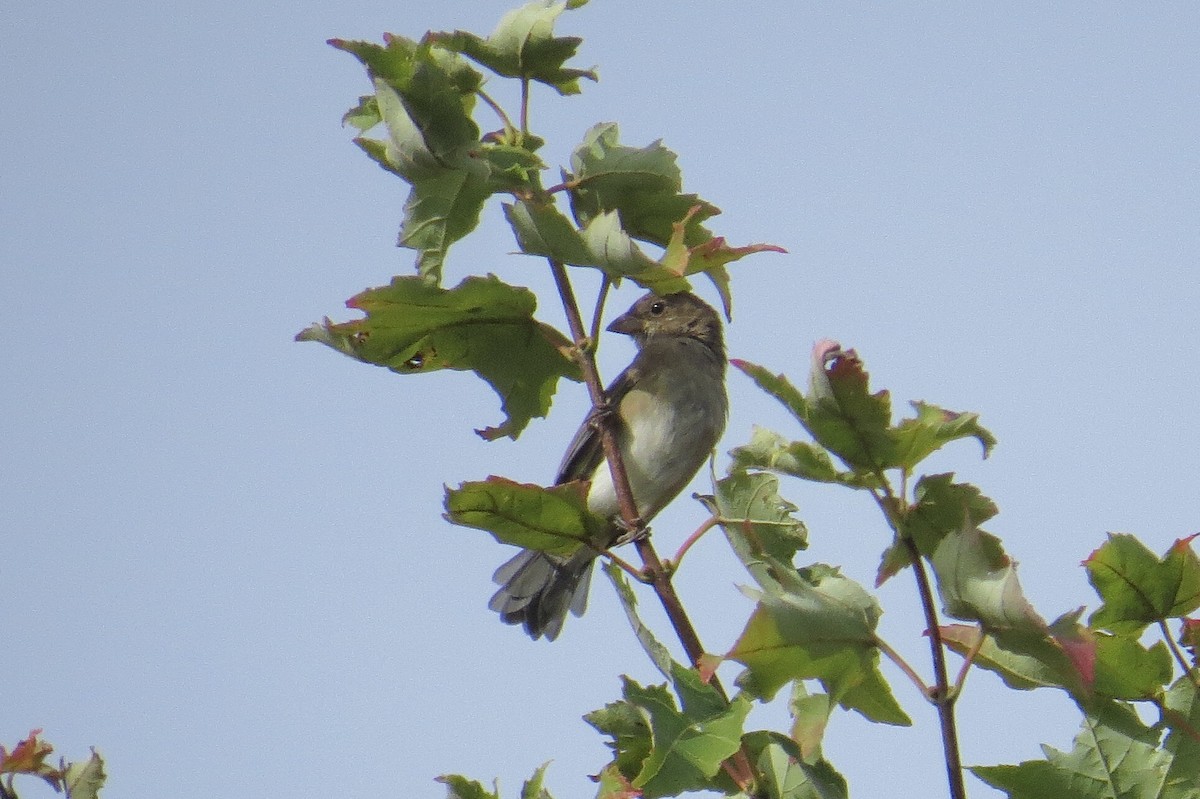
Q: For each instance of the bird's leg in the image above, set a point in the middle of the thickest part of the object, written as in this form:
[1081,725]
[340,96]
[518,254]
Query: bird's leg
[630,532]
[600,415]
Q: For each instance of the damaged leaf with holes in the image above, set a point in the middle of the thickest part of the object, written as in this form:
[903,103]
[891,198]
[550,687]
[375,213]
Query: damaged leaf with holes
[482,325]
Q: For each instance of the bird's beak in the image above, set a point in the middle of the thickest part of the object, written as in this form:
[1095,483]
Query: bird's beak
[626,323]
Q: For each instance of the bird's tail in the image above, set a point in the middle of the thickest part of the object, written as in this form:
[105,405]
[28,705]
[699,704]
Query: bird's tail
[537,590]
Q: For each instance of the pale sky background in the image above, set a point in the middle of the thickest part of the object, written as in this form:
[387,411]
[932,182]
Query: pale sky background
[224,562]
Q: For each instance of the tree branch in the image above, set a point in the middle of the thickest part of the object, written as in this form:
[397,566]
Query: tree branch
[941,695]
[655,574]
[737,767]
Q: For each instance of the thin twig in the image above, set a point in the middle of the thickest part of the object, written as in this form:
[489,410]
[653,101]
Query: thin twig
[909,671]
[968,661]
[500,112]
[712,522]
[598,313]
[624,565]
[524,106]
[564,186]
[1179,656]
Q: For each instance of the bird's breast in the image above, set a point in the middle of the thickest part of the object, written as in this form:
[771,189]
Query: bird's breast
[670,424]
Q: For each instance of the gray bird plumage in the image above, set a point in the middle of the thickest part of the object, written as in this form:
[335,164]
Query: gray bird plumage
[671,406]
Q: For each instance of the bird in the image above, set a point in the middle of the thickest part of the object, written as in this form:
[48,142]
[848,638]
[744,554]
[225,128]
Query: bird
[670,406]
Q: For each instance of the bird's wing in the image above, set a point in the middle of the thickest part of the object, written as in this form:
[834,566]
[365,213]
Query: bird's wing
[585,453]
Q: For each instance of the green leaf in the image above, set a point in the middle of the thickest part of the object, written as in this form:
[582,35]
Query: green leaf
[1120,667]
[510,168]
[843,416]
[620,193]
[1181,714]
[432,93]
[942,506]
[524,46]
[710,257]
[629,729]
[932,428]
[659,655]
[978,582]
[425,96]
[1138,588]
[1063,655]
[440,210]
[482,325]
[448,190]
[810,717]
[365,115]
[756,520]
[642,184]
[614,785]
[786,775]
[533,787]
[1063,658]
[1114,756]
[807,461]
[689,744]
[84,780]
[542,230]
[459,787]
[939,508]
[815,623]
[1019,671]
[1127,670]
[554,520]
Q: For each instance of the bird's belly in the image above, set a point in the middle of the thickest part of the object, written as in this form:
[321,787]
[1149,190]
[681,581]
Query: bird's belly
[661,452]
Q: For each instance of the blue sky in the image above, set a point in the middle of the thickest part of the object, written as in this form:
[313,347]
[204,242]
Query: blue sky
[225,564]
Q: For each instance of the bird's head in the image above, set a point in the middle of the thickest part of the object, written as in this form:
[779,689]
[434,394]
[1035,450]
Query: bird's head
[682,314]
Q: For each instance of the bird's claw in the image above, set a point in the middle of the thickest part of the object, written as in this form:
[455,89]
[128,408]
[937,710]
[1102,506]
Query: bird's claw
[631,532]
[601,413]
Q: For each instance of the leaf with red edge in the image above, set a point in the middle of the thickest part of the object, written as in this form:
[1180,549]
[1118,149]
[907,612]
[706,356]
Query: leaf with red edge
[843,416]
[1189,636]
[615,785]
[1139,588]
[978,582]
[1084,662]
[29,757]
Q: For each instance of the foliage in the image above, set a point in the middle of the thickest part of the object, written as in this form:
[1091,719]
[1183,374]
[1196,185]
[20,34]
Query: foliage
[28,758]
[813,631]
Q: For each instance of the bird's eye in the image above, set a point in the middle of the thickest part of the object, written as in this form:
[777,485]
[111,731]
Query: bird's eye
[658,307]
